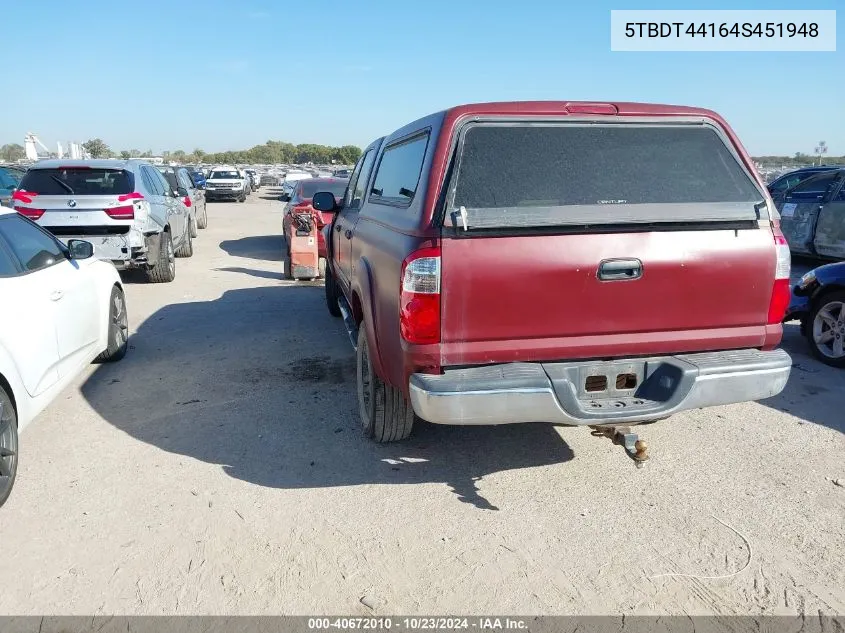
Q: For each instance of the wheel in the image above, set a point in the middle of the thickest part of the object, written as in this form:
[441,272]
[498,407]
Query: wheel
[164,270]
[242,198]
[193,227]
[321,267]
[332,294]
[826,329]
[202,220]
[8,445]
[118,329]
[187,248]
[385,414]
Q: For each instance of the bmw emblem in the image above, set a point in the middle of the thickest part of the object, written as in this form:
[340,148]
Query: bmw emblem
[71,204]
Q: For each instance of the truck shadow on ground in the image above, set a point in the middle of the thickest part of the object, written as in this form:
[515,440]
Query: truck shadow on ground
[814,391]
[253,272]
[260,247]
[262,382]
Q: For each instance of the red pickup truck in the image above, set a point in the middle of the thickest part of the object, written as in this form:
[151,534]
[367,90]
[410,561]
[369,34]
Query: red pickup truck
[567,262]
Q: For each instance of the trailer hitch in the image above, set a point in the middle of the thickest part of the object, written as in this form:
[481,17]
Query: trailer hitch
[636,448]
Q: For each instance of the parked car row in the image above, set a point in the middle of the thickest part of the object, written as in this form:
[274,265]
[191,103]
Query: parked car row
[134,214]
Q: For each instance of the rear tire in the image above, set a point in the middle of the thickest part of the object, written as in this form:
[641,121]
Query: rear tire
[118,329]
[8,445]
[193,227]
[164,270]
[332,294]
[202,221]
[187,248]
[386,416]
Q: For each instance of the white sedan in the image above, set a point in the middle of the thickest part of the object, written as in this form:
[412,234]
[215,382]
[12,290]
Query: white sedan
[60,308]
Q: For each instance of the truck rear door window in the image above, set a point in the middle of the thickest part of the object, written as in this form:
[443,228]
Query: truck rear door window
[551,174]
[399,171]
[84,181]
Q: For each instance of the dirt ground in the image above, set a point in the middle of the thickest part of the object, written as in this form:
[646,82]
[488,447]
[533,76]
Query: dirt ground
[219,469]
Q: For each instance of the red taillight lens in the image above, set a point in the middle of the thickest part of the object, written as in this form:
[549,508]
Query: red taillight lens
[121,213]
[23,196]
[781,291]
[781,296]
[419,299]
[130,196]
[187,201]
[32,214]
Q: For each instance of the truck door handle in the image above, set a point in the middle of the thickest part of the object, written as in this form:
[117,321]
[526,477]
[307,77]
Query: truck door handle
[338,227]
[56,295]
[620,269]
[348,234]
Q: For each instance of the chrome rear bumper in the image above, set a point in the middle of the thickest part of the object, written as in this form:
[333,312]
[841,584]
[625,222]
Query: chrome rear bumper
[557,392]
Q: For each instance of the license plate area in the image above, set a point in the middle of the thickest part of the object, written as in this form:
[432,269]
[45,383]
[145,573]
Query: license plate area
[609,380]
[599,389]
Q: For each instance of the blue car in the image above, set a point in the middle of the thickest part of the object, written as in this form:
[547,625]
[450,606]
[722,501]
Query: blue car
[780,185]
[818,301]
[197,176]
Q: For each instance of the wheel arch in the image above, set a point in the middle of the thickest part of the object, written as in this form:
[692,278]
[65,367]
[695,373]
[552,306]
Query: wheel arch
[7,387]
[363,309]
[826,290]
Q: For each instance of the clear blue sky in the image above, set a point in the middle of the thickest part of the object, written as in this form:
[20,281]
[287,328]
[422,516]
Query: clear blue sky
[228,75]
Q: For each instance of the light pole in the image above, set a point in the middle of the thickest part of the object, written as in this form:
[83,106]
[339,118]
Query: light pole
[821,149]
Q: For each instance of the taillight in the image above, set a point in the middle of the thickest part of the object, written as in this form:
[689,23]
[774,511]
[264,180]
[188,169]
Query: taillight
[23,196]
[187,201]
[781,291]
[126,212]
[419,299]
[32,214]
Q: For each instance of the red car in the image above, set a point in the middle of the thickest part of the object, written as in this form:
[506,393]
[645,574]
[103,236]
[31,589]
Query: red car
[566,262]
[300,200]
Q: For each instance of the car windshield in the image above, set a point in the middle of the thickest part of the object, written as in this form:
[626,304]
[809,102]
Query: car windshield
[78,181]
[309,187]
[224,174]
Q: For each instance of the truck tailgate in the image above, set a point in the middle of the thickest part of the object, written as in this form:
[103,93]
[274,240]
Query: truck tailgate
[698,290]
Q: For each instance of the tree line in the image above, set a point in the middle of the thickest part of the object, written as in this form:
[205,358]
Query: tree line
[799,159]
[272,152]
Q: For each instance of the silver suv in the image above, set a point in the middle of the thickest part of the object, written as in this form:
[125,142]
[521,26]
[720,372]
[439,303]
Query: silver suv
[125,208]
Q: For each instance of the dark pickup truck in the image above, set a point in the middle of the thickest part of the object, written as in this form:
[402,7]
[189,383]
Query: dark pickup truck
[597,264]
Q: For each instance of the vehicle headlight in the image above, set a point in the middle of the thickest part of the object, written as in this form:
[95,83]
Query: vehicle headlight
[238,185]
[807,280]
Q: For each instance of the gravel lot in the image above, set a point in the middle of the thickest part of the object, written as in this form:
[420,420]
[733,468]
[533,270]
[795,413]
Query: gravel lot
[219,470]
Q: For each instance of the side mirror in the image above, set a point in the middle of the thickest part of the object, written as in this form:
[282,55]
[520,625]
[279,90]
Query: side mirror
[80,249]
[182,192]
[285,197]
[324,201]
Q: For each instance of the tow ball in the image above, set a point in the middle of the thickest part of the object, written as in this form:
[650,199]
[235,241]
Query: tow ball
[636,448]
